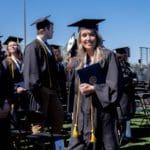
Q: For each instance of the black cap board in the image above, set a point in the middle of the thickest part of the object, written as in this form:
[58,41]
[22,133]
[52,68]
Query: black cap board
[55,46]
[87,23]
[42,22]
[14,39]
[123,50]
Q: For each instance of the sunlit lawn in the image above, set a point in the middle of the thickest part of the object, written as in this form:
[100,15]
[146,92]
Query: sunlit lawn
[140,129]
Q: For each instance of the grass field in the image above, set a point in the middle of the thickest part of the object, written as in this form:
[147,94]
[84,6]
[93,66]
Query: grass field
[140,129]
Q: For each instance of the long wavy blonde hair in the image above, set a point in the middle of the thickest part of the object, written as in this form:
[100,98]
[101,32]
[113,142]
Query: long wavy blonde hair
[98,52]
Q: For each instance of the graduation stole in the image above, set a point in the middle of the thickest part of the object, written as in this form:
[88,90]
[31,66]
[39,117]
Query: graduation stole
[12,70]
[75,128]
[46,56]
[18,65]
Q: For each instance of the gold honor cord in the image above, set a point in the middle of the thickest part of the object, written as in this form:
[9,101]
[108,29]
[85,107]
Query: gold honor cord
[75,128]
[93,138]
[50,82]
[12,71]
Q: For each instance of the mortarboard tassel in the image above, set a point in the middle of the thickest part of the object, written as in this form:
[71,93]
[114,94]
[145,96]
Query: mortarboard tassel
[17,40]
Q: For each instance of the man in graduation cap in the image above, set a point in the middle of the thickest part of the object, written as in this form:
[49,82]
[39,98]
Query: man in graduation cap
[122,53]
[40,72]
[129,80]
[96,91]
[14,66]
[61,73]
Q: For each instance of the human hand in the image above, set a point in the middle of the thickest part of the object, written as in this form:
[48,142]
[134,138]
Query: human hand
[20,90]
[86,88]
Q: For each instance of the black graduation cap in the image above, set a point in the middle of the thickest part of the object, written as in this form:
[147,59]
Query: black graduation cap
[42,22]
[14,39]
[1,36]
[123,50]
[87,23]
[55,46]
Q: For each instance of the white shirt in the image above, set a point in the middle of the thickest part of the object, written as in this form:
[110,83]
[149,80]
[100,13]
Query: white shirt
[49,51]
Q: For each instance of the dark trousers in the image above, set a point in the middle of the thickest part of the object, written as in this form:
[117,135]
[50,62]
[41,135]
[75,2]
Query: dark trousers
[4,134]
[52,109]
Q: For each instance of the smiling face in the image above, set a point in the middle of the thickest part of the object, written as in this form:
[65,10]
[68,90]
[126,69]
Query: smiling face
[12,47]
[88,39]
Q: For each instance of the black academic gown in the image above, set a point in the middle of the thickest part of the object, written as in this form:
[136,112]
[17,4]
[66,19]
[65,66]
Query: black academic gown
[70,87]
[16,80]
[127,103]
[40,77]
[36,68]
[103,100]
[62,82]
[4,122]
[4,83]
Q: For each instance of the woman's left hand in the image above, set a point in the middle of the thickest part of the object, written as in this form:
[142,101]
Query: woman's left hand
[86,88]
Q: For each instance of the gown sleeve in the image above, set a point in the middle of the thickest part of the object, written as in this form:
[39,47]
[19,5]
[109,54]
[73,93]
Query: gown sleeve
[107,92]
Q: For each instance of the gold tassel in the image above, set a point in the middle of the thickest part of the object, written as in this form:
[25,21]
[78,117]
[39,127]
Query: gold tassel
[75,131]
[93,138]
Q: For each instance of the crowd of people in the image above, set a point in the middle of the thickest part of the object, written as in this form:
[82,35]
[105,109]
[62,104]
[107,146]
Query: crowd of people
[102,94]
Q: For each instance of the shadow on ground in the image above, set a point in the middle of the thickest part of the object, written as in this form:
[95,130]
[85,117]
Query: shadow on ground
[140,140]
[137,147]
[140,132]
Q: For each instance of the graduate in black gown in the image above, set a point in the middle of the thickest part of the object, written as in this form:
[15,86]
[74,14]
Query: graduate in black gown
[127,99]
[71,48]
[4,106]
[13,65]
[40,74]
[61,73]
[95,98]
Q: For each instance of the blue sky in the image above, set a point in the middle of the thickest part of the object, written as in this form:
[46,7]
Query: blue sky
[127,21]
